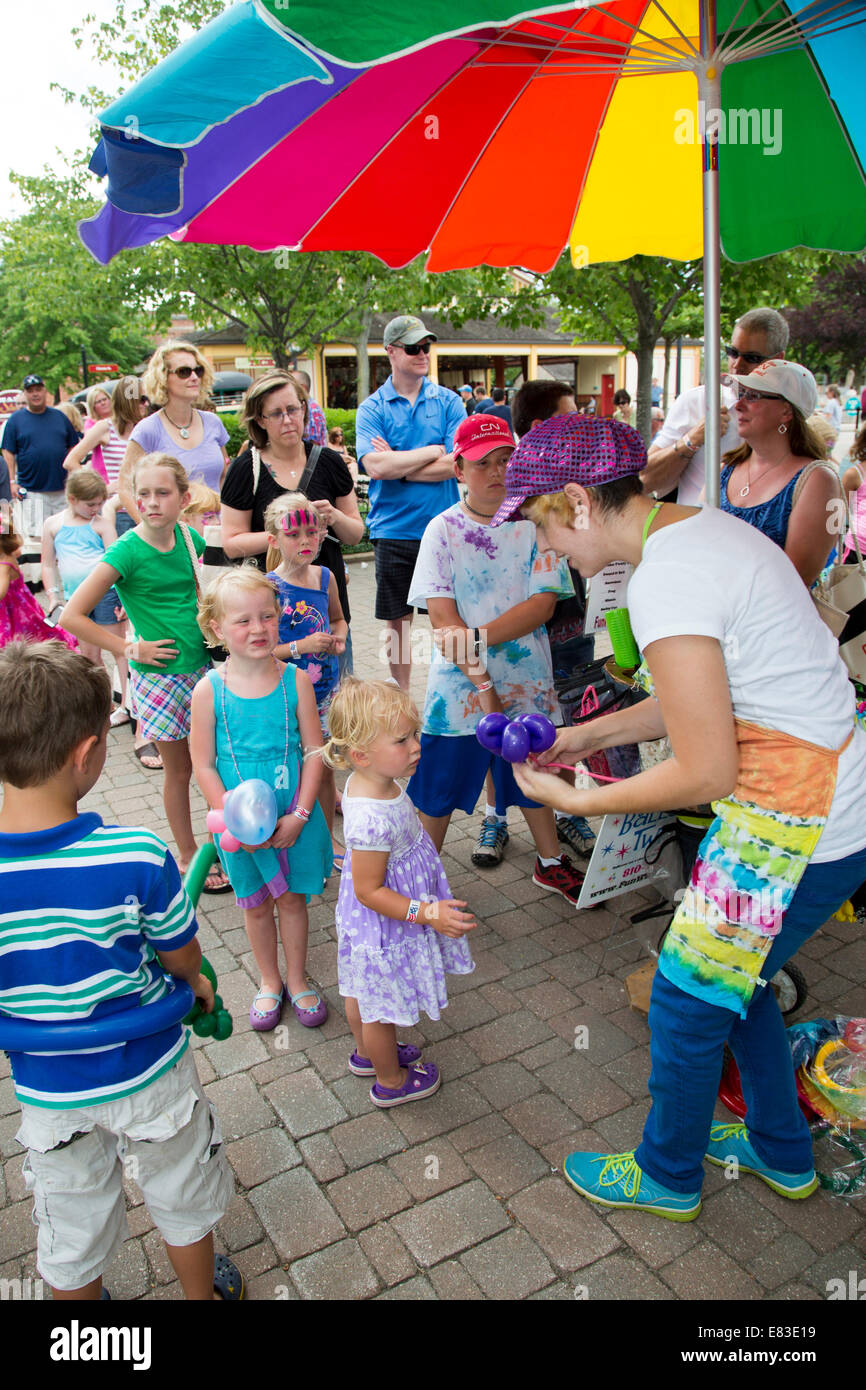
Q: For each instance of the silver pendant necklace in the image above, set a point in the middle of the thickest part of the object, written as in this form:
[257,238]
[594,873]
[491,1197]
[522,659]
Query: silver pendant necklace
[183,430]
[744,491]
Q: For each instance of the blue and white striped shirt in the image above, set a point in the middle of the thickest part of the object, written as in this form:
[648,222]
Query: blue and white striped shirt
[84,908]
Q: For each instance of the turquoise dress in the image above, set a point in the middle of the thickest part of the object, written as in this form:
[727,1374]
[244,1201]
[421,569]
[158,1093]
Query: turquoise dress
[256,735]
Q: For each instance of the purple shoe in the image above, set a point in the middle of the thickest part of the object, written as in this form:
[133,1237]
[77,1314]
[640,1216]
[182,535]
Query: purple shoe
[264,1020]
[421,1082]
[310,1018]
[407,1055]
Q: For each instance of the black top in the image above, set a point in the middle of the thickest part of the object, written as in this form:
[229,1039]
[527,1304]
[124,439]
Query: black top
[331,480]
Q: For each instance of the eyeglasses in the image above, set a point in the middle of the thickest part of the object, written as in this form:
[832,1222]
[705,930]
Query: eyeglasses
[743,393]
[186,372]
[286,414]
[412,349]
[754,359]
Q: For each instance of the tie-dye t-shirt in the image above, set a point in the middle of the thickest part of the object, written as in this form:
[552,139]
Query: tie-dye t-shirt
[487,572]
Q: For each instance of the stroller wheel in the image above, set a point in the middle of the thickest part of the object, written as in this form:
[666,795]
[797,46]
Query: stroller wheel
[789,985]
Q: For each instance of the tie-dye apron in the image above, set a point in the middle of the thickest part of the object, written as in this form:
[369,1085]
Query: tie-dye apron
[750,861]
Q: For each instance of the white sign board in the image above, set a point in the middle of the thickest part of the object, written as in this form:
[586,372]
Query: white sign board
[607,590]
[617,864]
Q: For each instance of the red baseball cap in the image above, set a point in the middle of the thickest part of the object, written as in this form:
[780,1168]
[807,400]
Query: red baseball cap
[477,435]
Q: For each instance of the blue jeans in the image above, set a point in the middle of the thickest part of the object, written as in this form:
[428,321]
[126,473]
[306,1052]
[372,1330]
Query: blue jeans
[687,1050]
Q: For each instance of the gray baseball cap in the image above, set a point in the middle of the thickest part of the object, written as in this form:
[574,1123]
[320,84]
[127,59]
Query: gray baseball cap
[406,329]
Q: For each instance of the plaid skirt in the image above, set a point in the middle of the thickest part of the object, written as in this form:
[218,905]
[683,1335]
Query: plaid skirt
[161,703]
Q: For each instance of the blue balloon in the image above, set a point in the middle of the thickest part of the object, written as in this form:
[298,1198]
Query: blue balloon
[250,812]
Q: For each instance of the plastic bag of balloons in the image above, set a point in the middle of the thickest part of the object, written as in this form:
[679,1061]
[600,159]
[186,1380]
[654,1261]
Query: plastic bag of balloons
[840,1159]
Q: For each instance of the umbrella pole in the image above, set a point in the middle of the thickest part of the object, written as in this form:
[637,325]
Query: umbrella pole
[710,93]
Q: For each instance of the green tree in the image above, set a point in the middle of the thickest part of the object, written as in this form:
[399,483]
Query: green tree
[54,299]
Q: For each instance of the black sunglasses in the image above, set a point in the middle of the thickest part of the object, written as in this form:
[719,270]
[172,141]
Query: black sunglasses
[185,372]
[412,349]
[754,359]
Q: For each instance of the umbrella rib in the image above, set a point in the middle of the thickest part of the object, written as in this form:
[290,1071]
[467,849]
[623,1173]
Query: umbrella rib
[638,29]
[730,28]
[762,38]
[736,55]
[672,22]
[795,32]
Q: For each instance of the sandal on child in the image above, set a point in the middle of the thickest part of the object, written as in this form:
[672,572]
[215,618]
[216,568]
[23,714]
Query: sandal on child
[421,1082]
[228,1281]
[407,1055]
[263,1020]
[311,1018]
[338,862]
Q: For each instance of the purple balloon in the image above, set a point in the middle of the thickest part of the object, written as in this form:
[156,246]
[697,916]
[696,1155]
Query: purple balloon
[515,743]
[542,731]
[490,730]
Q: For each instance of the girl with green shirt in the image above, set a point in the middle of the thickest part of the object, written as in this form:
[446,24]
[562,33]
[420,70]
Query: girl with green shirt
[153,571]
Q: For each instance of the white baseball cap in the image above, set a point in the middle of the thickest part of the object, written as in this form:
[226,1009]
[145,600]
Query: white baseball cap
[788,379]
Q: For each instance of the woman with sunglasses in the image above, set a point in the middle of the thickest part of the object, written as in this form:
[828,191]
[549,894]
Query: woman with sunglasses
[759,481]
[178,384]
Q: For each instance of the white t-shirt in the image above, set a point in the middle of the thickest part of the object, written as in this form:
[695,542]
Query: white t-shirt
[713,575]
[687,410]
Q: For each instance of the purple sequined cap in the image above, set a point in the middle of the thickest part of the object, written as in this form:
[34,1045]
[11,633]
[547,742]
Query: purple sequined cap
[569,449]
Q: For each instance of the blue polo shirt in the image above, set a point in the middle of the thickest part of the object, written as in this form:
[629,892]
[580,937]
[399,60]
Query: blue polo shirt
[40,443]
[400,509]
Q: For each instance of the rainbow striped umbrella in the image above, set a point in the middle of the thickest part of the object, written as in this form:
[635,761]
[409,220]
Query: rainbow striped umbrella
[478,134]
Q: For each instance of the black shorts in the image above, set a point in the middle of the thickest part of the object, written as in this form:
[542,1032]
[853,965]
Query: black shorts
[395,565]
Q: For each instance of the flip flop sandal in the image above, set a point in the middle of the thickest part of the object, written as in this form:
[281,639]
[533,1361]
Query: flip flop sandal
[149,750]
[119,718]
[339,860]
[407,1055]
[421,1082]
[223,887]
[228,1281]
[263,1020]
[310,1018]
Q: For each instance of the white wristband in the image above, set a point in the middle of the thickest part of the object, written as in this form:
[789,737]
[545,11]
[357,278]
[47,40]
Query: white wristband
[132,651]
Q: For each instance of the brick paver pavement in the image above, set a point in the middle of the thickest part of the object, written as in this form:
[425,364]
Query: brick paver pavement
[461,1197]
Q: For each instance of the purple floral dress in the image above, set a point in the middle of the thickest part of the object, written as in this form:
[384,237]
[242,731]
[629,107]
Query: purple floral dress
[394,969]
[21,617]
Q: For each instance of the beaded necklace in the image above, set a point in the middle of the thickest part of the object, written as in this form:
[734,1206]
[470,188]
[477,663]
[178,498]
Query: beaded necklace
[224,684]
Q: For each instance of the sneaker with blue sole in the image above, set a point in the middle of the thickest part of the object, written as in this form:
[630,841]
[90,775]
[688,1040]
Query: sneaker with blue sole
[730,1144]
[616,1180]
[576,833]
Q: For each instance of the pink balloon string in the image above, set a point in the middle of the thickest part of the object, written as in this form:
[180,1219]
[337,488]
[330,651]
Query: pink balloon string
[573,767]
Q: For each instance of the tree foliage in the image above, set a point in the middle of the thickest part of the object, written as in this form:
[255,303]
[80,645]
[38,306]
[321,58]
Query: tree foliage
[829,332]
[54,299]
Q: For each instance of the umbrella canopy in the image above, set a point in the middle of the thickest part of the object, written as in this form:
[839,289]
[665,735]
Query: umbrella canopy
[480,134]
[483,136]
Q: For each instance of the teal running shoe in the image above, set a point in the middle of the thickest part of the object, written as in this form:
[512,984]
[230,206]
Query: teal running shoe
[730,1143]
[616,1180]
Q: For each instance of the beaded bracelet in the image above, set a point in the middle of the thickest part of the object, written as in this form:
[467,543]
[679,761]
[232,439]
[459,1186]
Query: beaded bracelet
[414,910]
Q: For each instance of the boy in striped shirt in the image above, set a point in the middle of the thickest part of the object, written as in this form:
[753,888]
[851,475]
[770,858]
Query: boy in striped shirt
[91,918]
